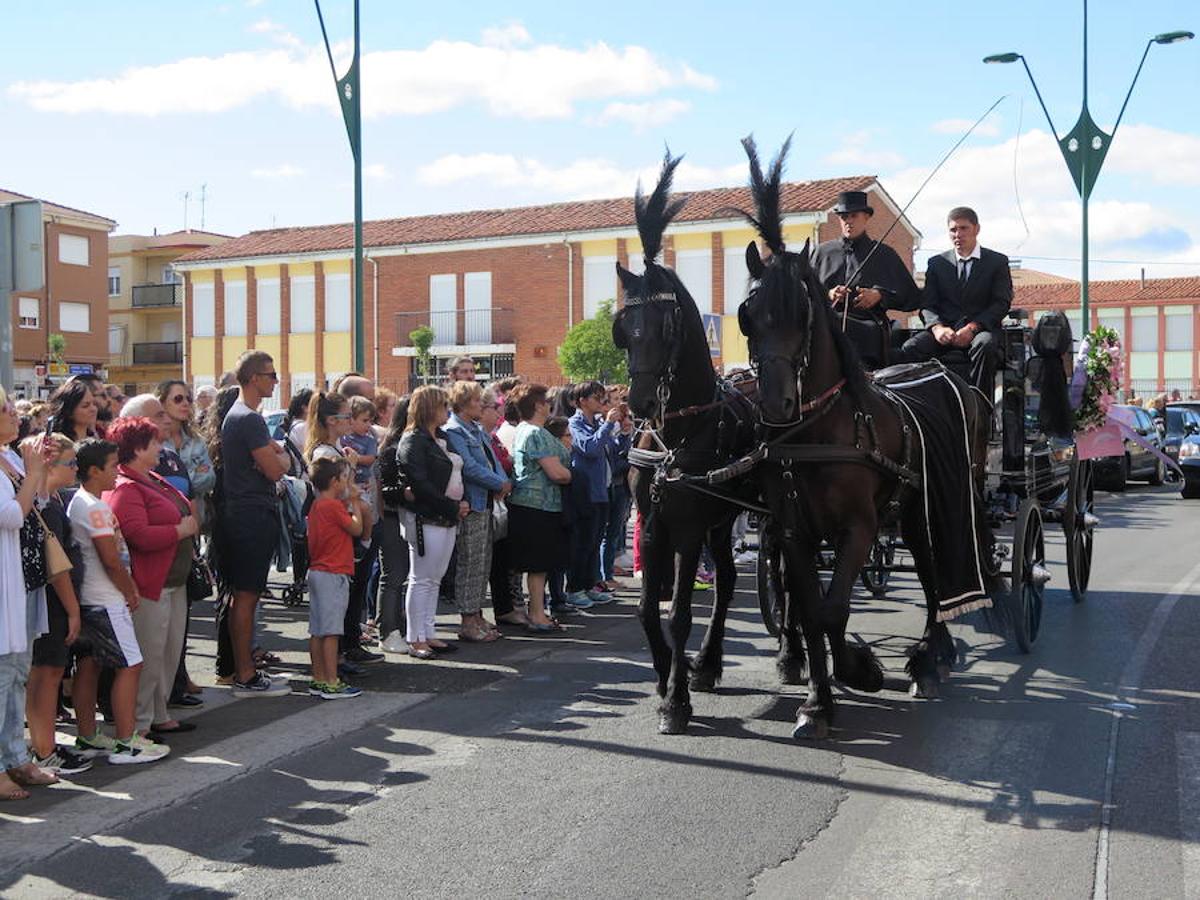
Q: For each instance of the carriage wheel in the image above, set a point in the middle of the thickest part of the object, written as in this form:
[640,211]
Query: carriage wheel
[1077,518]
[1029,574]
[878,571]
[769,575]
[293,595]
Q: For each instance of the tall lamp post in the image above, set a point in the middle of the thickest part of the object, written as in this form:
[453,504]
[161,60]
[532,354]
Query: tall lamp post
[1085,146]
[351,104]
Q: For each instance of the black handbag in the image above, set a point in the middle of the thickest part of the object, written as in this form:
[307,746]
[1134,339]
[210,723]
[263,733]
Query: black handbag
[199,581]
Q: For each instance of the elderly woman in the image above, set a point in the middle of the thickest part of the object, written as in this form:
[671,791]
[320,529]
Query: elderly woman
[73,411]
[484,482]
[159,529]
[535,526]
[22,609]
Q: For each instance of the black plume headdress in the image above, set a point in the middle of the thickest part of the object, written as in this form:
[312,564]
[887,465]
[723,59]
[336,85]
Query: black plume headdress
[654,213]
[767,195]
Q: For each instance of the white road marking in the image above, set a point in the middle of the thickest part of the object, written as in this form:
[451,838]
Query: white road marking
[1187,744]
[1131,678]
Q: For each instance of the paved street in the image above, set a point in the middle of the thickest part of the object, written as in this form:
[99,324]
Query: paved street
[533,767]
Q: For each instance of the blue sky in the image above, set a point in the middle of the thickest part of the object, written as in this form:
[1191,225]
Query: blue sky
[120,108]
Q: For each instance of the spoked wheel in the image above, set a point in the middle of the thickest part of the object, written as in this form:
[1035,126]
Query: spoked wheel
[1029,574]
[1079,521]
[878,571]
[769,575]
[293,595]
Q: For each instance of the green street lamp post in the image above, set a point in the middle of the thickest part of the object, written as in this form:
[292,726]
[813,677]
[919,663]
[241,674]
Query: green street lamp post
[351,103]
[1086,145]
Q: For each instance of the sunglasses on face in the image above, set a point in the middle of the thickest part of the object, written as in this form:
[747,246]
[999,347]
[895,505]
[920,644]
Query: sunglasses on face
[274,376]
[342,417]
[69,464]
[181,398]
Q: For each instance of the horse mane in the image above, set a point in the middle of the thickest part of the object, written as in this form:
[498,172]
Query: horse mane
[766,191]
[654,213]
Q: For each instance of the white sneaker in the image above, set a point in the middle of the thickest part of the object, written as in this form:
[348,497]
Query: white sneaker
[137,750]
[395,643]
[746,558]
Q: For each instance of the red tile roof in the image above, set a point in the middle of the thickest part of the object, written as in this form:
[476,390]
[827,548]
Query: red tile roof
[1034,296]
[555,218]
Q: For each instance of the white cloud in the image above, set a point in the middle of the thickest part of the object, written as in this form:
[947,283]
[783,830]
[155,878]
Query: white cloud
[378,171]
[644,115]
[982,177]
[989,127]
[275,32]
[511,78]
[859,150]
[283,170]
[582,179]
[506,36]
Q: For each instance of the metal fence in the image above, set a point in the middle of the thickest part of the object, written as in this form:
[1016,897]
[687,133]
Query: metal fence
[458,327]
[158,353]
[157,295]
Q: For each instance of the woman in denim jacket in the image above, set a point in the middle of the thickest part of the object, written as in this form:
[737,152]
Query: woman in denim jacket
[483,479]
[176,399]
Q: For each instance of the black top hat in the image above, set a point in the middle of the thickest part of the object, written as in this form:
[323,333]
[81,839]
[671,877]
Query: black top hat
[853,201]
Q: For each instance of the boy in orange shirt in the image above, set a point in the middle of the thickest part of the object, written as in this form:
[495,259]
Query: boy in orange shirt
[338,515]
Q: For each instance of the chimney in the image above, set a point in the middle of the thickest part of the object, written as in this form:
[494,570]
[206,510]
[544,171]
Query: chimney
[1143,278]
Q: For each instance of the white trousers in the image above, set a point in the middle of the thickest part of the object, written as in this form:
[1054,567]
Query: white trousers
[425,575]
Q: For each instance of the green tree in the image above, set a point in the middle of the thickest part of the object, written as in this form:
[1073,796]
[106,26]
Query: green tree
[588,351]
[422,340]
[56,344]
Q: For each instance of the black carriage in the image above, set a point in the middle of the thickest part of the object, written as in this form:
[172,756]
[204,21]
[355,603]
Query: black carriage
[1031,480]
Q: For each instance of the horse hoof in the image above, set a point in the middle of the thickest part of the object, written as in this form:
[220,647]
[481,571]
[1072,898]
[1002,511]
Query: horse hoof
[673,721]
[925,689]
[791,671]
[808,728]
[862,672]
[704,682]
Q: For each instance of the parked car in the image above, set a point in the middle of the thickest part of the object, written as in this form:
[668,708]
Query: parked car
[1181,421]
[1112,473]
[1189,453]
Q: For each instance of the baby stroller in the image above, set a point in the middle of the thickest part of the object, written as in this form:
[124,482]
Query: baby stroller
[295,499]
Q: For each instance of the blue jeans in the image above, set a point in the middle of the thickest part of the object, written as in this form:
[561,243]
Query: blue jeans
[14,672]
[586,535]
[619,503]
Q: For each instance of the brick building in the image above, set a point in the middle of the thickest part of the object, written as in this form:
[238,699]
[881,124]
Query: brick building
[1156,319]
[73,301]
[502,285]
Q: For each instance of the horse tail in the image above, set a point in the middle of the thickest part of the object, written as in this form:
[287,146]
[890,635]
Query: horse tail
[654,213]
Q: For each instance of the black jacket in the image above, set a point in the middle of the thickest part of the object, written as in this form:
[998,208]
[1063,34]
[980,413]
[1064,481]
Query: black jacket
[885,272]
[427,469]
[985,299]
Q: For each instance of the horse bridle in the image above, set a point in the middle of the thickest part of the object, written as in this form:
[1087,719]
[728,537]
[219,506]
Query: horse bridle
[666,374]
[800,363]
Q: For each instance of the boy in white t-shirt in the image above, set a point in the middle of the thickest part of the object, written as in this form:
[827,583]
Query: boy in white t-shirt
[106,598]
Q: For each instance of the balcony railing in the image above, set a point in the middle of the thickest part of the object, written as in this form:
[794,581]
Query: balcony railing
[150,295]
[458,327]
[158,353]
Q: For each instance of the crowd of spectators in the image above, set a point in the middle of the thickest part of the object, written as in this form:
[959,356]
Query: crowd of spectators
[506,503]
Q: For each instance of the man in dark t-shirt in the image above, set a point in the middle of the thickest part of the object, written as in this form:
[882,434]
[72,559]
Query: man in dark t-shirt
[251,464]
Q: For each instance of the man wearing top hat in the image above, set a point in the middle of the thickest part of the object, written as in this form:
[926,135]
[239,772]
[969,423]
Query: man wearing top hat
[968,292]
[883,282]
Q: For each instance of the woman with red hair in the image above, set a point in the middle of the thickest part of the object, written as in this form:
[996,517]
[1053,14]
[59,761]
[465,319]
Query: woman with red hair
[159,529]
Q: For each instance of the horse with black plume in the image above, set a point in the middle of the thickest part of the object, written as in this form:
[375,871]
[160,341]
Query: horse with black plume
[693,423]
[842,455]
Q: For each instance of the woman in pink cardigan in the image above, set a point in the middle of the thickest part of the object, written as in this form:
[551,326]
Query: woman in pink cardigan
[159,529]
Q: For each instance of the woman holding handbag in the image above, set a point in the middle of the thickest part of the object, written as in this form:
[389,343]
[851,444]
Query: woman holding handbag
[160,530]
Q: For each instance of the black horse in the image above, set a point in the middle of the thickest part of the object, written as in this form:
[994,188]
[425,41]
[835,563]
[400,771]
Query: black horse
[842,455]
[696,424]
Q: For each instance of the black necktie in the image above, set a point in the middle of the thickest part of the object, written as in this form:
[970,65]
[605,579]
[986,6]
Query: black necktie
[962,272]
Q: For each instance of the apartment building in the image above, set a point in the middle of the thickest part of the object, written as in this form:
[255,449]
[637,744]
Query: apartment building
[73,301]
[501,285]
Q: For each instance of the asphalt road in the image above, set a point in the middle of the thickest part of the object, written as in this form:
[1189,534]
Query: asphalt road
[533,768]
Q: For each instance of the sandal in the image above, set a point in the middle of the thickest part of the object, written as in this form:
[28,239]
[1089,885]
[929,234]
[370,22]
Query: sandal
[543,627]
[443,647]
[513,618]
[10,790]
[478,635]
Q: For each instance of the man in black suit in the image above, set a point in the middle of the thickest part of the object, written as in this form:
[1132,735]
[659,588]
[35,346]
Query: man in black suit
[880,278]
[968,292]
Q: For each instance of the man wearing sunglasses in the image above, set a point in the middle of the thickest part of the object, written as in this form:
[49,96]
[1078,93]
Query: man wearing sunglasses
[249,524]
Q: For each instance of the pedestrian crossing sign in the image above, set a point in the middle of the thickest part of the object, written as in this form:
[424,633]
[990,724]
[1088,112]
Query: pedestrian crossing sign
[712,332]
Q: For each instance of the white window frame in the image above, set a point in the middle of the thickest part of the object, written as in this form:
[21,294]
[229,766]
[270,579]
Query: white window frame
[1182,317]
[736,278]
[268,307]
[599,283]
[114,281]
[24,306]
[700,284]
[338,302]
[204,309]
[303,302]
[235,308]
[443,309]
[74,250]
[69,310]
[1144,337]
[477,308]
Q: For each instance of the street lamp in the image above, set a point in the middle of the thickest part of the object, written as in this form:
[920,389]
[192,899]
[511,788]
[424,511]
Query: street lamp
[1085,146]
